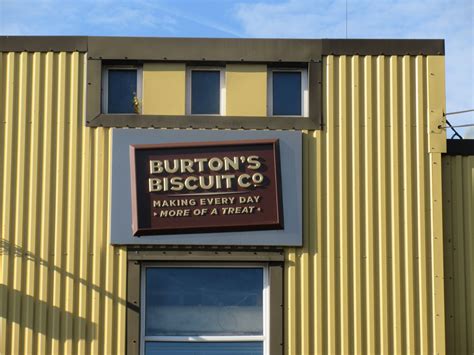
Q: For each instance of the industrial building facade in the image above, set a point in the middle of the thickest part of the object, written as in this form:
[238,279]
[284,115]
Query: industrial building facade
[231,196]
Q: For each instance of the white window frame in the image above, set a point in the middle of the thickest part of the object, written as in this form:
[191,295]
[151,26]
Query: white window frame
[265,338]
[222,92]
[304,90]
[105,85]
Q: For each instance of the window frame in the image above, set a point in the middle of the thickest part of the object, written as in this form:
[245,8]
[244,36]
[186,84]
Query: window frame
[222,90]
[95,118]
[264,338]
[105,87]
[304,91]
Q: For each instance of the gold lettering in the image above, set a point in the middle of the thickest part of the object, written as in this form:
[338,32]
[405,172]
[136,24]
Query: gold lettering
[210,182]
[186,166]
[169,169]
[155,167]
[241,181]
[218,182]
[253,162]
[154,185]
[257,178]
[174,213]
[215,164]
[188,181]
[200,162]
[176,184]
[231,163]
[228,180]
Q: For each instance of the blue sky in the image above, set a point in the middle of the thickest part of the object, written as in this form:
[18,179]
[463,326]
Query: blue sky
[452,20]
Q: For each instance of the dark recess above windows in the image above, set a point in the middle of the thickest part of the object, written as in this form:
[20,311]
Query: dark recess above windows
[273,52]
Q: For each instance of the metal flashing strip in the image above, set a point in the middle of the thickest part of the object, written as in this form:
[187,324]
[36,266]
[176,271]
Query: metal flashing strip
[460,147]
[210,122]
[219,49]
[43,43]
[205,49]
[188,254]
[382,47]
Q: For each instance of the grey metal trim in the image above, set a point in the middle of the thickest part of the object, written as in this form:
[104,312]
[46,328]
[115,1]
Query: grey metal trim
[133,308]
[43,43]
[205,49]
[290,147]
[383,47]
[232,122]
[275,271]
[206,255]
[93,91]
[220,49]
[315,82]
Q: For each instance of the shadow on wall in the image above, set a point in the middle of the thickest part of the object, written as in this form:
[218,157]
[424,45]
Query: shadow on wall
[50,312]
[15,302]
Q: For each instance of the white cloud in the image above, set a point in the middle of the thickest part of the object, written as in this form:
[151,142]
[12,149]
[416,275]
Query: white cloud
[113,17]
[211,23]
[126,17]
[87,17]
[293,18]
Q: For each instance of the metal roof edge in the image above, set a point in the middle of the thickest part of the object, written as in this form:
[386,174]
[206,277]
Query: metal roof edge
[233,45]
[43,43]
[460,147]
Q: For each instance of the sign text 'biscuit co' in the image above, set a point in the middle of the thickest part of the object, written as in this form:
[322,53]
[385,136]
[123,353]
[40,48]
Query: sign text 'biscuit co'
[211,186]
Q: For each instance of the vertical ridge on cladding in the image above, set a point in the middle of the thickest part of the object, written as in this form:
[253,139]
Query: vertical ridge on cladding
[59,277]
[458,199]
[367,280]
[370,284]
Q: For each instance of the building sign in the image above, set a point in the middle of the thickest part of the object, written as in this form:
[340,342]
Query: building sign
[206,186]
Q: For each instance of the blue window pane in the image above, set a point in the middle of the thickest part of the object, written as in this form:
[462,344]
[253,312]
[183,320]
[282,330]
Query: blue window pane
[204,301]
[287,93]
[205,92]
[122,88]
[244,348]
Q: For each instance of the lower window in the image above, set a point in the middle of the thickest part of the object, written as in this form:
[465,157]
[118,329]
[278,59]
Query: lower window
[203,309]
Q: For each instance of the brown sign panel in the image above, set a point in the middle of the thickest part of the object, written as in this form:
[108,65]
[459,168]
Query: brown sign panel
[205,187]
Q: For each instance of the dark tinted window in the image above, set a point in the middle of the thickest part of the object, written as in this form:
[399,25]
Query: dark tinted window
[121,90]
[204,301]
[196,348]
[205,92]
[286,93]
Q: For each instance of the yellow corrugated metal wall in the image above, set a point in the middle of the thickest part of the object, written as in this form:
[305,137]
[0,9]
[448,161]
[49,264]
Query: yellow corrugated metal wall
[458,202]
[62,286]
[164,88]
[369,279]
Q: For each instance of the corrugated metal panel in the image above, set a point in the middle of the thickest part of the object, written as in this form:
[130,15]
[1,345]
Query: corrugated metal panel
[458,201]
[368,279]
[62,286]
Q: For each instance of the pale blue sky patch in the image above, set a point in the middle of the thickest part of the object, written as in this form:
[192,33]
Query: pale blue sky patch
[452,20]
